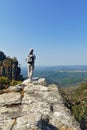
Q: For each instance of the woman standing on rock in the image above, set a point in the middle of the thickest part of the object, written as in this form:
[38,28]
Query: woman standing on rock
[31,63]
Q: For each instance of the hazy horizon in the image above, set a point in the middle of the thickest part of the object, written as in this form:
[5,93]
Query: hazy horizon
[56,66]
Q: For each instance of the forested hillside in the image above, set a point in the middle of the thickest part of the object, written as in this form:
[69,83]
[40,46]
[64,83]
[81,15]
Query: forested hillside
[76,100]
[9,70]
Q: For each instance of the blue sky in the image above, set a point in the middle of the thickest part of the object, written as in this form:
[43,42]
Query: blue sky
[56,29]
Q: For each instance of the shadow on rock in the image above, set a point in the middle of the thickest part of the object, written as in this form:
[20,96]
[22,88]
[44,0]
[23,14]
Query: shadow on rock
[43,124]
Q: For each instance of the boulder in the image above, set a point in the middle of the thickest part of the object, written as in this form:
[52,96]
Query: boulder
[40,81]
[16,88]
[10,99]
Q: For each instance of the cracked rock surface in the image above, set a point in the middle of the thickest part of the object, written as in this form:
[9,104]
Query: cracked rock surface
[35,106]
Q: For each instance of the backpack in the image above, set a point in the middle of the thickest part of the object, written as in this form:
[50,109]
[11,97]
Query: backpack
[29,59]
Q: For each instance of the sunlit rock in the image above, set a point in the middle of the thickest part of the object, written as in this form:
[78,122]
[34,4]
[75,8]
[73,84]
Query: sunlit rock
[36,107]
[10,98]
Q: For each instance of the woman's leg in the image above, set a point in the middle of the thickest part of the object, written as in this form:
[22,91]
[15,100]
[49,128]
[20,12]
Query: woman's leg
[30,71]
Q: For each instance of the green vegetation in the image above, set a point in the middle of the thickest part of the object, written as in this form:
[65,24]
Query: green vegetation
[70,78]
[80,110]
[76,100]
[5,82]
[62,78]
[10,71]
[14,82]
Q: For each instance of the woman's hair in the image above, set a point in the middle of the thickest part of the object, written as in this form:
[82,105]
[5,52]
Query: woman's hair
[31,51]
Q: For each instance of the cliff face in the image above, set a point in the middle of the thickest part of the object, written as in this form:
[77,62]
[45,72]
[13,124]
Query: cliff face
[9,67]
[34,106]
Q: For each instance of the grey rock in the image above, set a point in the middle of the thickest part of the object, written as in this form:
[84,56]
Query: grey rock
[12,112]
[17,88]
[6,124]
[27,122]
[40,81]
[34,88]
[10,98]
[38,107]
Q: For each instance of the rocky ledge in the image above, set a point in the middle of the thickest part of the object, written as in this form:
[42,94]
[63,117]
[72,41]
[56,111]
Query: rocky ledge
[35,106]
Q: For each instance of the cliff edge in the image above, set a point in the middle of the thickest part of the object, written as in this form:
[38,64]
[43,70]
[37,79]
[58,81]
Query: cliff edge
[34,106]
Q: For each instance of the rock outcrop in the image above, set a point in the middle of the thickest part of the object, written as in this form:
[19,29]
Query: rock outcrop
[9,67]
[35,106]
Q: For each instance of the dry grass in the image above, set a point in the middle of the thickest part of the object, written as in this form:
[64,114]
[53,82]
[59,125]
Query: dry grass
[14,122]
[22,93]
[6,91]
[65,128]
[33,129]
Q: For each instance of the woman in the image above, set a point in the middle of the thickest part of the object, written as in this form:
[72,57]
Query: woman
[31,63]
